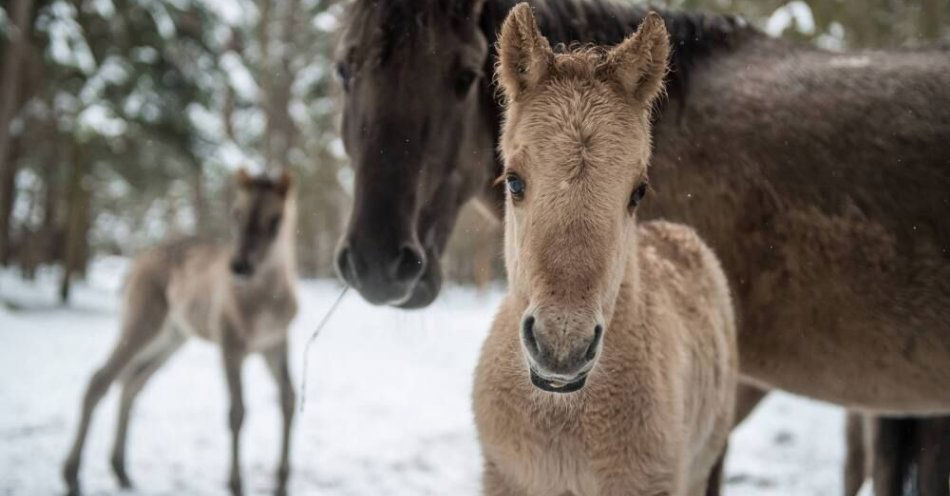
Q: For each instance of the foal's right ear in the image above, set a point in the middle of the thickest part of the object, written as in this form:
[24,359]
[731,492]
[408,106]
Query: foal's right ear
[524,55]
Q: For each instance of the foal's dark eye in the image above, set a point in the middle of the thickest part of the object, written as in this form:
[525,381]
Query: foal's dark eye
[515,186]
[343,72]
[463,81]
[637,196]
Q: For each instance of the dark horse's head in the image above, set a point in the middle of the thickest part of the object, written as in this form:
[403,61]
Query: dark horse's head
[414,78]
[421,119]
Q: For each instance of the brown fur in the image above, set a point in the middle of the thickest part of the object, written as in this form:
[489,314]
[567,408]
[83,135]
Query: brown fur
[657,406]
[818,178]
[242,297]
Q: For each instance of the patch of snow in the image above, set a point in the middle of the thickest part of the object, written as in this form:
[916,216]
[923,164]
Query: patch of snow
[67,46]
[239,76]
[101,120]
[326,21]
[387,408]
[832,40]
[796,12]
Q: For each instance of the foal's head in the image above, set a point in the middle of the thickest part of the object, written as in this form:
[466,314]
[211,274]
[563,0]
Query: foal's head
[576,144]
[260,213]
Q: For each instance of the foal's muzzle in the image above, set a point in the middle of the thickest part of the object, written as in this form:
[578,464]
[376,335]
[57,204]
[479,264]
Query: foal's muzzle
[559,362]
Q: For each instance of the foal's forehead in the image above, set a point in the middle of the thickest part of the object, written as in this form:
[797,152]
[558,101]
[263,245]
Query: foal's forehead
[572,126]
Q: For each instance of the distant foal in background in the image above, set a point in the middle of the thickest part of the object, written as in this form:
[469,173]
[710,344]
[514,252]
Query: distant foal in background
[241,296]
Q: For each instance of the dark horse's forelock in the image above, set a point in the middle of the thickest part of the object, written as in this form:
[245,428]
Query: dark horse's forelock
[400,21]
[693,35]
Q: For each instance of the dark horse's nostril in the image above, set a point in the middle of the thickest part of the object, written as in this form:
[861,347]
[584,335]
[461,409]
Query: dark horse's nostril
[527,329]
[592,349]
[410,263]
[344,265]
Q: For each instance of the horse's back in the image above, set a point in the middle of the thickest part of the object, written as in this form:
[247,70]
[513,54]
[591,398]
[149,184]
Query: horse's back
[820,179]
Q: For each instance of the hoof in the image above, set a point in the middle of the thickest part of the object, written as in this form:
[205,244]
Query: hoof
[282,476]
[71,477]
[236,487]
[124,481]
[118,468]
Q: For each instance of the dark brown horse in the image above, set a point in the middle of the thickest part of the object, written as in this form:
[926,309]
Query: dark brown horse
[820,179]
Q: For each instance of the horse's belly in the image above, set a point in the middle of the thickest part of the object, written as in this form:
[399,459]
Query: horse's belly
[834,307]
[872,363]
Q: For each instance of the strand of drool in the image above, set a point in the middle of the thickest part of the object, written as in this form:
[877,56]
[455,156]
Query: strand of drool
[313,337]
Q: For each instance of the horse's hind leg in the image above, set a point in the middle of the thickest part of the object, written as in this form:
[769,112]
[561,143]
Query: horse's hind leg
[143,323]
[933,457]
[145,364]
[892,442]
[276,359]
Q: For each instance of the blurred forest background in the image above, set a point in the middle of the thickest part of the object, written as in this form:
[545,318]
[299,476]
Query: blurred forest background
[122,120]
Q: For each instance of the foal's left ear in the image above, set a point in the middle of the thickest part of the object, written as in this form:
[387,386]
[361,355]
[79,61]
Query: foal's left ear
[639,64]
[284,182]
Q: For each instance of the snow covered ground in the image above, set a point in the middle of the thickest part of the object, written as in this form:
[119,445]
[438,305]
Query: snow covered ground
[387,409]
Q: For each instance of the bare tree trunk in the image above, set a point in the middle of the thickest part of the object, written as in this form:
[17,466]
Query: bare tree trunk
[77,224]
[10,77]
[199,199]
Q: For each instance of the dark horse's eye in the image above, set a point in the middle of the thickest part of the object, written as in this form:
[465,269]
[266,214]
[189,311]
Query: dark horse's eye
[463,81]
[515,186]
[343,72]
[637,196]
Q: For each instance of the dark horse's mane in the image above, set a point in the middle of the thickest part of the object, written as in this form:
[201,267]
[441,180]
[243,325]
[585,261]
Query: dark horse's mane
[693,35]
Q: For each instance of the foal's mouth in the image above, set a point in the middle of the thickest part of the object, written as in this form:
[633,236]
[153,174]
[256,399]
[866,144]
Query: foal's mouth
[557,386]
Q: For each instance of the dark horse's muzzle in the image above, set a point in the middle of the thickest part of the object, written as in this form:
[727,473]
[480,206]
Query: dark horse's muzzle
[405,277]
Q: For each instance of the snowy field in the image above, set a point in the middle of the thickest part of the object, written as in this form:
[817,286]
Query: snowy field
[387,409]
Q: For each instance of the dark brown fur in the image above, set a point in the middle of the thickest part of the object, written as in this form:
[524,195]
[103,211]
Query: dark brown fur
[819,179]
[896,453]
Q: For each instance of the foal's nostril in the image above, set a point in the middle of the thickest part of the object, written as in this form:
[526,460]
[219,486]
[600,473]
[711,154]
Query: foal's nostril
[240,267]
[592,349]
[527,330]
[410,263]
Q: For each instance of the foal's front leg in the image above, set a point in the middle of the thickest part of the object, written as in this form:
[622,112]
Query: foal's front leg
[277,363]
[233,359]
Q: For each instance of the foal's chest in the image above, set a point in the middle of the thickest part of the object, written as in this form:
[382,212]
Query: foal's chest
[548,459]
[266,317]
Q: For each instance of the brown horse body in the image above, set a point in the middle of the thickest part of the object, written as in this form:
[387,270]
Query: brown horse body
[611,366]
[820,179]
